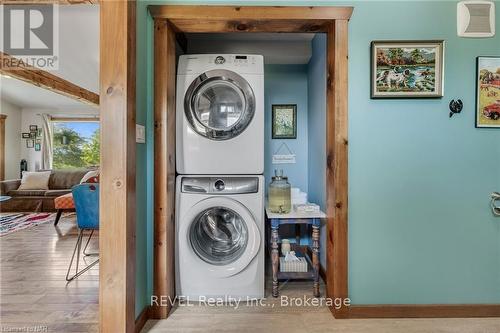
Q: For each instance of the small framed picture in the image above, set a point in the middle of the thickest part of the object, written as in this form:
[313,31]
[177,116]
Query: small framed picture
[33,135]
[33,128]
[30,143]
[488,92]
[407,69]
[26,135]
[38,146]
[284,125]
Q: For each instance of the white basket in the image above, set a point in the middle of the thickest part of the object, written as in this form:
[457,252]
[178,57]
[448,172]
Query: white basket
[293,266]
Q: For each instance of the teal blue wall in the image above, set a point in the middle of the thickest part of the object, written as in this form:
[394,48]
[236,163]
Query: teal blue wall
[145,169]
[287,84]
[420,230]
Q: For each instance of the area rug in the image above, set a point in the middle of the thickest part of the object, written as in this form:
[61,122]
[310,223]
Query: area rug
[12,222]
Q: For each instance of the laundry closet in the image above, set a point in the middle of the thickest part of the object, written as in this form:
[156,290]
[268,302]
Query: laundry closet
[248,107]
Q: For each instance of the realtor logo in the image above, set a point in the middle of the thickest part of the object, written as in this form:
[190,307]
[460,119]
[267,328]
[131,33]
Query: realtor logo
[30,34]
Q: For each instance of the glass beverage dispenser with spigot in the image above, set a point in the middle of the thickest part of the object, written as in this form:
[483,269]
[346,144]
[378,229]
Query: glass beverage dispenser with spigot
[280,194]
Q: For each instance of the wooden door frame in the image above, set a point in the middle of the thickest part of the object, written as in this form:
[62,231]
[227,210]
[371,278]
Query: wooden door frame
[117,211]
[3,118]
[173,20]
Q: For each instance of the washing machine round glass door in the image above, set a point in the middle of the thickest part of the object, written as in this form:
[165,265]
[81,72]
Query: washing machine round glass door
[223,235]
[219,104]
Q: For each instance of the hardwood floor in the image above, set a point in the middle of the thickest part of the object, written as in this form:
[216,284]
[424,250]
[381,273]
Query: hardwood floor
[33,289]
[34,294]
[300,319]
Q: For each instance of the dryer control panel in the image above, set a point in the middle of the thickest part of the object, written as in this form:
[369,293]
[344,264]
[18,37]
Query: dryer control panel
[241,63]
[220,185]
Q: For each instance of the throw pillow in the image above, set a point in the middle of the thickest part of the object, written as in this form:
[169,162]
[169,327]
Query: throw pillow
[88,175]
[35,180]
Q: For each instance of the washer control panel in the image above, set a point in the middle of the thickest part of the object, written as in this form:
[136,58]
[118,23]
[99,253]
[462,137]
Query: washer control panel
[200,63]
[220,185]
[236,60]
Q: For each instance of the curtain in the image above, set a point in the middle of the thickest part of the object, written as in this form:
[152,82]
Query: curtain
[47,142]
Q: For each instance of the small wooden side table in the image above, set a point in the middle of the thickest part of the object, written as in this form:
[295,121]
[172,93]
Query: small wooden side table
[296,218]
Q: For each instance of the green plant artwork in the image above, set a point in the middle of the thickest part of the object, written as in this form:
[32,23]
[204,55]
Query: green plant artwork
[284,121]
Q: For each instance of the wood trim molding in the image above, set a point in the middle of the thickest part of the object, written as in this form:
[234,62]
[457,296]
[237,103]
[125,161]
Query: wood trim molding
[75,119]
[205,14]
[245,25]
[3,117]
[15,68]
[164,159]
[206,19]
[424,311]
[118,197]
[142,319]
[337,163]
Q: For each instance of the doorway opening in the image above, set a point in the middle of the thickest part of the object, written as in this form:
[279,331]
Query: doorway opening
[172,27]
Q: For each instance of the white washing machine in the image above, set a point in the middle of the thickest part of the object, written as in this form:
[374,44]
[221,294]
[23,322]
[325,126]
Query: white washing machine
[220,114]
[220,237]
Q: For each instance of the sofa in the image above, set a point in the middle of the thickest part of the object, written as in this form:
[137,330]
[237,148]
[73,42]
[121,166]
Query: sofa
[60,182]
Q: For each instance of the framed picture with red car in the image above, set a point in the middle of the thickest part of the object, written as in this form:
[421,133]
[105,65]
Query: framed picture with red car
[488,92]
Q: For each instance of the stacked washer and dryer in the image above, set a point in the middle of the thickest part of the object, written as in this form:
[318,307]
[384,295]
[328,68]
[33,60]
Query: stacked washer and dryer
[220,187]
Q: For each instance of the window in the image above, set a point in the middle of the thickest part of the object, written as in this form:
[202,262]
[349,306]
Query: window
[76,144]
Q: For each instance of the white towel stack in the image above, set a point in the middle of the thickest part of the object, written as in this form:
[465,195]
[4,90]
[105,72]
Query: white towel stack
[306,208]
[298,197]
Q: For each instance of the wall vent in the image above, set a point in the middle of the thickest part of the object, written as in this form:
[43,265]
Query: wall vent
[476,19]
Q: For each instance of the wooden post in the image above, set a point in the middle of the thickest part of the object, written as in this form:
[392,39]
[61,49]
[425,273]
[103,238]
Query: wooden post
[117,197]
[164,156]
[336,146]
[2,146]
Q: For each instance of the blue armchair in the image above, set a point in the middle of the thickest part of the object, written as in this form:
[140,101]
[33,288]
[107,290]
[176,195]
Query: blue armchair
[86,199]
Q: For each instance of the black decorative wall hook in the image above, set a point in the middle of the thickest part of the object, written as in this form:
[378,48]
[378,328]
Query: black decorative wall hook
[456,106]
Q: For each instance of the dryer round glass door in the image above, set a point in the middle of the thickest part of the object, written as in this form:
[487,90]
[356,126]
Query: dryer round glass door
[219,236]
[219,104]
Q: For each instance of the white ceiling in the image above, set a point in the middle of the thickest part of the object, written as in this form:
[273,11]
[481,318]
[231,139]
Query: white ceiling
[26,95]
[277,48]
[78,61]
